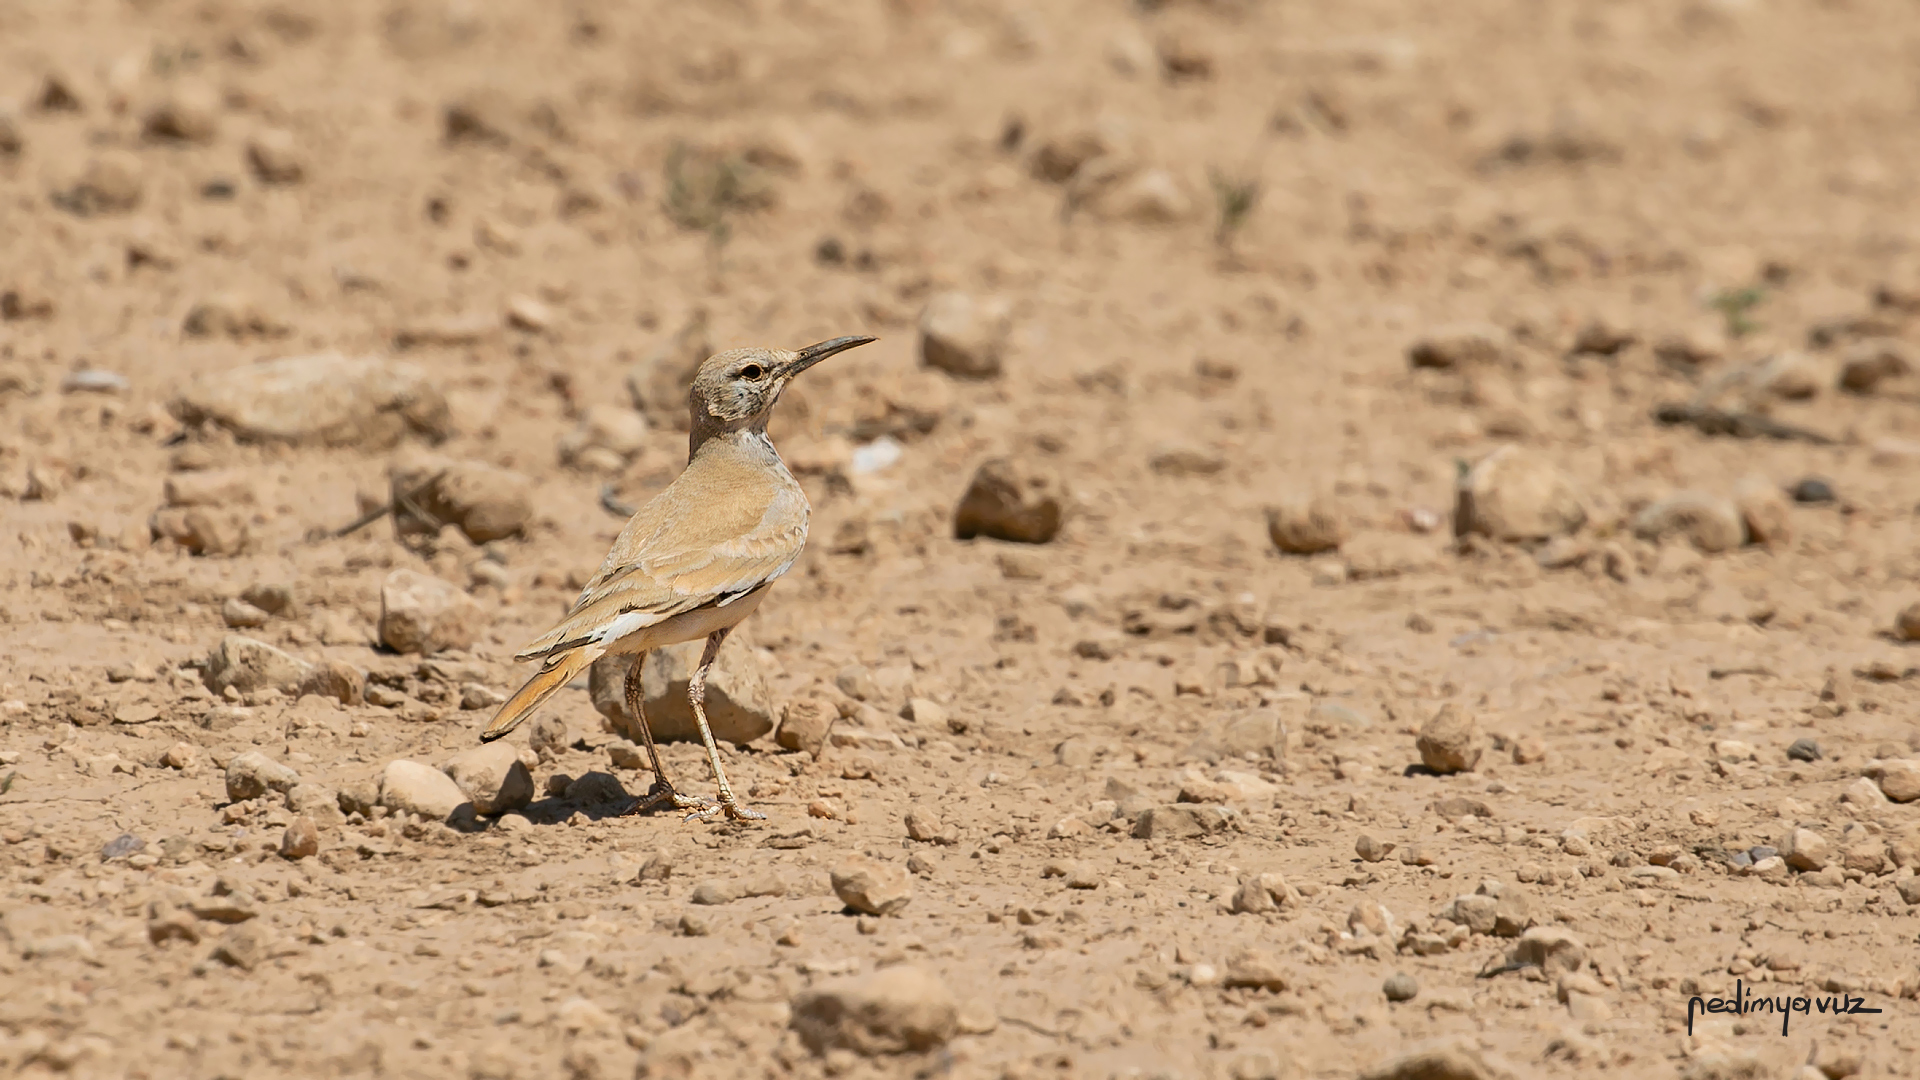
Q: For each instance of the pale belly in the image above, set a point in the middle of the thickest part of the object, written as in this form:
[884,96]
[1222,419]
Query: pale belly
[692,626]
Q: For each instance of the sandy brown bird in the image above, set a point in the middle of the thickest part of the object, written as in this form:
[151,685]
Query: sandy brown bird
[695,561]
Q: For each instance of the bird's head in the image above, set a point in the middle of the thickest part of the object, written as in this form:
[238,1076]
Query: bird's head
[736,389]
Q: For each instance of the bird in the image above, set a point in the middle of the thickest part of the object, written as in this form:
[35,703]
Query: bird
[693,562]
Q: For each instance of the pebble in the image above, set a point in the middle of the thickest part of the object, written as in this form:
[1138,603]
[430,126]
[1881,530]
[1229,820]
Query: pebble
[300,840]
[201,531]
[275,157]
[805,725]
[425,615]
[111,184]
[493,778]
[180,756]
[1370,849]
[1790,376]
[1306,525]
[1145,197]
[964,337]
[1906,625]
[1765,511]
[244,946]
[94,381]
[1869,363]
[1550,948]
[870,886]
[1461,345]
[190,114]
[1010,499]
[1711,523]
[122,846]
[231,314]
[896,1010]
[1180,821]
[323,399]
[625,755]
[335,680]
[1804,750]
[485,502]
[1813,489]
[1762,852]
[1450,741]
[253,774]
[1257,969]
[420,789]
[1513,495]
[1400,986]
[240,615]
[925,826]
[1899,779]
[1262,893]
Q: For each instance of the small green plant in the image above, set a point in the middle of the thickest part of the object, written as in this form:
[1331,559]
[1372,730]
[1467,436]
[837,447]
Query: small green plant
[1735,305]
[1234,200]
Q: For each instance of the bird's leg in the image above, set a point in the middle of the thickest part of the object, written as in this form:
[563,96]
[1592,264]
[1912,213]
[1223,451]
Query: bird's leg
[697,696]
[661,793]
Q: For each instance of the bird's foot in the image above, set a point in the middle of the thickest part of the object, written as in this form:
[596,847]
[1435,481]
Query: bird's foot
[729,806]
[661,794]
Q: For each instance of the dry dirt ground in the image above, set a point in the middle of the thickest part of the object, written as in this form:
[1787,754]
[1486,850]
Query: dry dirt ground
[1202,238]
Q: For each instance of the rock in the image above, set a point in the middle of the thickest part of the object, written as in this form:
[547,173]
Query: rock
[625,755]
[1444,1061]
[1180,821]
[1370,849]
[274,598]
[605,434]
[1185,460]
[233,315]
[1304,525]
[1400,986]
[485,503]
[870,886]
[275,158]
[1550,948]
[253,774]
[360,797]
[316,803]
[1909,890]
[1261,893]
[1145,197]
[713,893]
[244,946]
[201,531]
[529,314]
[250,666]
[493,778]
[301,839]
[425,615]
[1803,750]
[1450,741]
[334,679]
[214,487]
[738,703]
[1906,625]
[240,615]
[1600,336]
[1790,376]
[1765,511]
[190,114]
[111,184]
[962,336]
[323,399]
[1514,495]
[1813,489]
[1869,363]
[1010,499]
[926,827]
[1257,969]
[899,1009]
[1899,779]
[420,789]
[180,756]
[1692,348]
[1476,913]
[1461,345]
[550,738]
[1712,524]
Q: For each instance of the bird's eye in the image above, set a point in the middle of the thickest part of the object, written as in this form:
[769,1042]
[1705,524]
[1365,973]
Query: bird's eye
[752,371]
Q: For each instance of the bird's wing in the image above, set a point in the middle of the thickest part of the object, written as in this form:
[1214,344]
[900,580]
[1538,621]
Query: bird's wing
[719,531]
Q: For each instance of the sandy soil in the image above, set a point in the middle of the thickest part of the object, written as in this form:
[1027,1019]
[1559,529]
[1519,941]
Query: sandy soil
[528,201]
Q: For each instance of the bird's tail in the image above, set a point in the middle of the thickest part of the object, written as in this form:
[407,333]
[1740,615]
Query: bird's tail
[558,672]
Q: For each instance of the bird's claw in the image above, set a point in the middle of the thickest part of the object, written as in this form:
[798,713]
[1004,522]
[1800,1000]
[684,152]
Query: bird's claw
[662,794]
[730,807]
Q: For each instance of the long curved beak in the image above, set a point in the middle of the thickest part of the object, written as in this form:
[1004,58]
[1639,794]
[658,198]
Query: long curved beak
[813,354]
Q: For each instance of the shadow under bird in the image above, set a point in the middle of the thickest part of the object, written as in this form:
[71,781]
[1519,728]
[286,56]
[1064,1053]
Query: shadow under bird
[694,561]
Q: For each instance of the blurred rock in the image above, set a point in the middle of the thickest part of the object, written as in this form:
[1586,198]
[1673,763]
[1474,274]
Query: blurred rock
[1899,779]
[323,399]
[1257,969]
[1813,489]
[1010,499]
[1692,348]
[191,113]
[1789,376]
[249,666]
[605,435]
[1514,495]
[1185,460]
[243,946]
[1442,1061]
[413,788]
[1400,986]
[962,336]
[275,158]
[425,615]
[1711,523]
[1450,742]
[301,840]
[111,184]
[896,1010]
[1460,346]
[1765,511]
[1370,849]
[336,680]
[486,503]
[253,774]
[1867,364]
[1804,850]
[1603,337]
[739,707]
[1306,525]
[492,777]
[1145,197]
[241,615]
[232,315]
[870,886]
[213,487]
